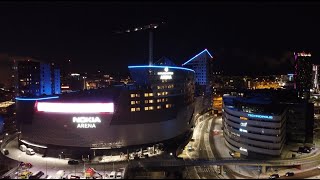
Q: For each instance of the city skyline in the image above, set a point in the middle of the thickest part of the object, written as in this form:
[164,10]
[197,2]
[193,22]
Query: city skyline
[86,33]
[159,90]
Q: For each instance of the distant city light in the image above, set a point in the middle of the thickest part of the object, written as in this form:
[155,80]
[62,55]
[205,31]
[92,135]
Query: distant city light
[304,54]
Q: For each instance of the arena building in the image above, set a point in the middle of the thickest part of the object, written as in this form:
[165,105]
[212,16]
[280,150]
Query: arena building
[157,107]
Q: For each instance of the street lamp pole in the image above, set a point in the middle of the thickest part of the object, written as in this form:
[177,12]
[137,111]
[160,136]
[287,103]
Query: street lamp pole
[46,167]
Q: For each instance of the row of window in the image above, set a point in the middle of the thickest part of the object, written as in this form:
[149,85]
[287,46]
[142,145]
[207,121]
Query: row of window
[149,101]
[166,87]
[145,95]
[151,108]
[149,94]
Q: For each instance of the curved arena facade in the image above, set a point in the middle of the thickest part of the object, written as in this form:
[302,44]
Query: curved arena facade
[159,106]
[253,127]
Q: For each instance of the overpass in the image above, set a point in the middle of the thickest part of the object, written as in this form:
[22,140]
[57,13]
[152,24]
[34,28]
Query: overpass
[160,163]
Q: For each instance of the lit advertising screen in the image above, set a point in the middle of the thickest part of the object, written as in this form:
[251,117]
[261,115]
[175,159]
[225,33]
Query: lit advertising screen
[75,107]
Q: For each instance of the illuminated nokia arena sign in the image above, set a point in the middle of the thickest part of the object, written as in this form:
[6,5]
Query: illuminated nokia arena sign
[166,74]
[260,116]
[86,122]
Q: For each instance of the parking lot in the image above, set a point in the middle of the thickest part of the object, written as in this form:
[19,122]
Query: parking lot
[50,166]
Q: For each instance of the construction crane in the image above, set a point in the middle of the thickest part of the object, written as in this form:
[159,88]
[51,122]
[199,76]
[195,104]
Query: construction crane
[150,28]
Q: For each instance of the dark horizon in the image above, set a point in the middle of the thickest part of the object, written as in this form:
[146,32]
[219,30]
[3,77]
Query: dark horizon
[243,37]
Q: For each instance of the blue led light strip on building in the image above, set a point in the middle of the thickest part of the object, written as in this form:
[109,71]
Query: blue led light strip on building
[260,116]
[170,67]
[197,56]
[36,99]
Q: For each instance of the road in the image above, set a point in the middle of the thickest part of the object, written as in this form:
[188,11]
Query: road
[202,150]
[209,145]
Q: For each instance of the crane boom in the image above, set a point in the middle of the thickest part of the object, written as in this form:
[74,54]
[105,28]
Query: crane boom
[150,28]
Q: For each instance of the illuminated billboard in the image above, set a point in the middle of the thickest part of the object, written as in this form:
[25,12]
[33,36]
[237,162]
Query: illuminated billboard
[166,74]
[83,108]
[260,116]
[86,122]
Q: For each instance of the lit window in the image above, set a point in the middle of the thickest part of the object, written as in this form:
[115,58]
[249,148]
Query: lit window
[146,94]
[137,95]
[133,109]
[150,94]
[132,95]
[150,107]
[137,109]
[158,107]
[159,94]
[243,130]
[137,102]
[133,102]
[158,100]
[151,101]
[168,105]
[146,108]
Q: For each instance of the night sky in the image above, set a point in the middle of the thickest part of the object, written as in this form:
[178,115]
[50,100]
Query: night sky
[243,37]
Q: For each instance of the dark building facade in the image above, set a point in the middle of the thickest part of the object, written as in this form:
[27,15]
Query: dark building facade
[37,79]
[303,74]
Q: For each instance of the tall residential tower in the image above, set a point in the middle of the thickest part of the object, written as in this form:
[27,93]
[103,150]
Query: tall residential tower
[303,74]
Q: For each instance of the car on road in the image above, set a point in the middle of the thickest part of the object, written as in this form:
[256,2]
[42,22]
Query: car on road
[289,174]
[25,175]
[37,175]
[59,174]
[304,149]
[30,151]
[26,165]
[118,175]
[112,175]
[319,167]
[5,151]
[48,177]
[74,177]
[73,162]
[23,148]
[274,176]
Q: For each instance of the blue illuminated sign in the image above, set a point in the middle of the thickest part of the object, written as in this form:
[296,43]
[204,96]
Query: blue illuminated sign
[36,99]
[197,56]
[260,116]
[170,67]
